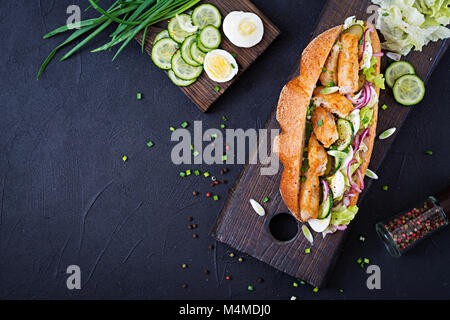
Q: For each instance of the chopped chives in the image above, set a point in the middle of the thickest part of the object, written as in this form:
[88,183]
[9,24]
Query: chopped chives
[185,124]
[366,260]
[316,289]
[216,88]
[150,144]
[197,173]
[216,197]
[172,128]
[319,123]
[188,172]
[139,96]
[302,282]
[265,199]
[206,174]
[359,260]
[295,284]
[303,179]
[124,158]
[195,153]
[385,188]
[429,152]
[182,174]
[384,107]
[224,157]
[224,118]
[234,55]
[192,147]
[250,288]
[307,250]
[222,125]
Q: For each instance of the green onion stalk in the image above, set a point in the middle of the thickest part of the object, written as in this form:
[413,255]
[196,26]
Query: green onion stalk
[131,17]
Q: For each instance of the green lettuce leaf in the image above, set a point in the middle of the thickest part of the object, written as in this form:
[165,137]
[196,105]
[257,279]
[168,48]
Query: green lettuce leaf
[366,116]
[343,216]
[369,73]
[411,24]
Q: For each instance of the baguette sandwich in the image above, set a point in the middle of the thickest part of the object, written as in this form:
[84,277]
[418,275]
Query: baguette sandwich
[328,117]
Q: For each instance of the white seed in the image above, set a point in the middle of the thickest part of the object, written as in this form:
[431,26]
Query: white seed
[257,207]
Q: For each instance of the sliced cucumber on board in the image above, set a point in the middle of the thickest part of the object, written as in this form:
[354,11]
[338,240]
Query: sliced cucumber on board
[210,37]
[183,70]
[161,35]
[186,51]
[197,54]
[175,30]
[206,14]
[202,48]
[178,81]
[162,52]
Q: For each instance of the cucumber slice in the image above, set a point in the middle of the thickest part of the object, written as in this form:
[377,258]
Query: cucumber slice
[162,53]
[163,34]
[206,14]
[325,206]
[202,48]
[396,70]
[196,53]
[345,130]
[178,81]
[183,70]
[186,51]
[337,184]
[408,90]
[356,29]
[175,30]
[210,37]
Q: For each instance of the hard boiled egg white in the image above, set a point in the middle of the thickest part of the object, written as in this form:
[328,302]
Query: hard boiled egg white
[220,65]
[243,29]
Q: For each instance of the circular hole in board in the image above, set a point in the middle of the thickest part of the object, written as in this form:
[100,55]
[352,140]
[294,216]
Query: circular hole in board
[283,227]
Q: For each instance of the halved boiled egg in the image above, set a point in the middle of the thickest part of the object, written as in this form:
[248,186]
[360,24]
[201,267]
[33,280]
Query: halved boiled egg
[243,29]
[220,65]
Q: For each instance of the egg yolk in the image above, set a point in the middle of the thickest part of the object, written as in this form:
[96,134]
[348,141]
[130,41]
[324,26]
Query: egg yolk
[219,66]
[246,28]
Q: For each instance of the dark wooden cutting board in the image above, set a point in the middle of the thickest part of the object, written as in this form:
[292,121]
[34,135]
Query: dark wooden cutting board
[202,92]
[240,227]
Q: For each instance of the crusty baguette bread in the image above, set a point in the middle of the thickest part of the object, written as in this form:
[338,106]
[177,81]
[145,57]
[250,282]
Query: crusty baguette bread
[291,115]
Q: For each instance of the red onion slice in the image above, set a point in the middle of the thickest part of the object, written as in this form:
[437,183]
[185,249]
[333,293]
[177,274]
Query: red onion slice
[340,228]
[394,56]
[325,197]
[364,43]
[363,135]
[378,54]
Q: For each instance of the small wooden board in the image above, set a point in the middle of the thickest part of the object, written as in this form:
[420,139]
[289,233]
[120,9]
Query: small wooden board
[202,92]
[241,228]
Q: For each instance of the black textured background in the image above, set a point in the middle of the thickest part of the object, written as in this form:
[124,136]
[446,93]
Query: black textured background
[68,198]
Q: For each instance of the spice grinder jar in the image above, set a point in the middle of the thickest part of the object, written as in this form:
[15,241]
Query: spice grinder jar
[408,228]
